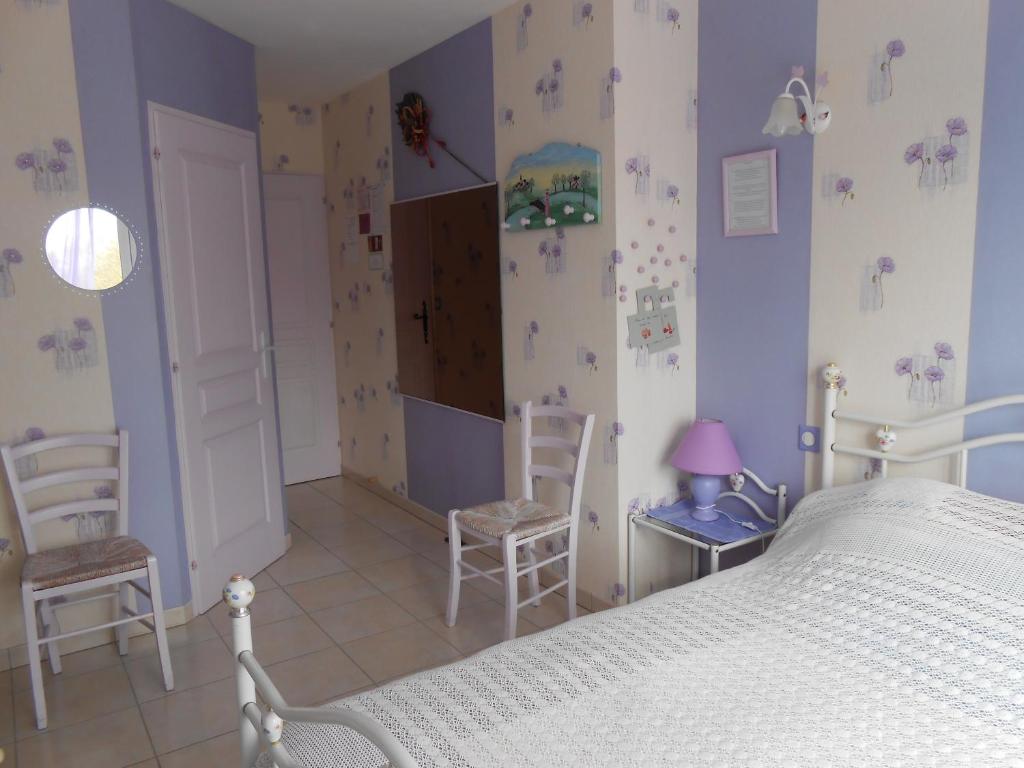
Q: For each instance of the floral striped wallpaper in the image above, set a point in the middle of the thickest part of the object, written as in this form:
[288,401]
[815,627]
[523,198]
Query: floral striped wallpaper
[52,355]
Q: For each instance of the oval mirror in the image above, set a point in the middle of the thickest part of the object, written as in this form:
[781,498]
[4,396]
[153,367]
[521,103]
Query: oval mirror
[91,248]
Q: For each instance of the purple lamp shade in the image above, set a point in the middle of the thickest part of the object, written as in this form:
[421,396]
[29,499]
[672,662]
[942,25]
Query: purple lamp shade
[707,452]
[707,449]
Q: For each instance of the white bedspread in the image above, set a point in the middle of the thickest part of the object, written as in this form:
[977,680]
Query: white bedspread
[884,627]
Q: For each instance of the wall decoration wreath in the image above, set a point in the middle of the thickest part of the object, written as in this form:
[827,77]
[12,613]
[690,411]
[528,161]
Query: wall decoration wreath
[414,119]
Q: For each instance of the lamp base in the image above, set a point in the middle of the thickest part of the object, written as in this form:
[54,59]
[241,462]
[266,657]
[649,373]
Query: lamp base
[705,515]
[705,490]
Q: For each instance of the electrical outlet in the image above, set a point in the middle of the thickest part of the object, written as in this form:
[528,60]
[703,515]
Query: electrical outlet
[808,438]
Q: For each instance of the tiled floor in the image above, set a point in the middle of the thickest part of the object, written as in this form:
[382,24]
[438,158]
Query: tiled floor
[358,600]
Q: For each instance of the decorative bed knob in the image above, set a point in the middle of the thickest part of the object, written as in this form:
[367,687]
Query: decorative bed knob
[272,725]
[886,439]
[737,481]
[832,374]
[238,594]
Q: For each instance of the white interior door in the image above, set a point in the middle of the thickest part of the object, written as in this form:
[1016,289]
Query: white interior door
[300,301]
[206,185]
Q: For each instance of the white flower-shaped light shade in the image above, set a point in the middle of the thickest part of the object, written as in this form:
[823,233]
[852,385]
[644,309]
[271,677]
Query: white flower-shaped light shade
[784,119]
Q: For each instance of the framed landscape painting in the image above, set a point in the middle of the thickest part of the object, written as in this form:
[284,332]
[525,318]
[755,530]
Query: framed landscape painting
[559,185]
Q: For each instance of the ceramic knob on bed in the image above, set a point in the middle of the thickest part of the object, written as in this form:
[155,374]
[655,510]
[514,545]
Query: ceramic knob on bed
[273,726]
[832,374]
[239,592]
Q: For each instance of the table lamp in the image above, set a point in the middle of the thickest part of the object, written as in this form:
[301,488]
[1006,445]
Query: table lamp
[707,452]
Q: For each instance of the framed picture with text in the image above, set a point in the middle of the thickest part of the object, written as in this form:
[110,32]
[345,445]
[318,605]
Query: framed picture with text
[750,204]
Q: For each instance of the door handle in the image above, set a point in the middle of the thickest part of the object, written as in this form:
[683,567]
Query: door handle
[265,350]
[423,316]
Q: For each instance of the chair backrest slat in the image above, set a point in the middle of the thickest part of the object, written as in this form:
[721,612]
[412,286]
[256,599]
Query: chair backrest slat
[20,488]
[42,514]
[578,450]
[558,443]
[544,470]
[65,476]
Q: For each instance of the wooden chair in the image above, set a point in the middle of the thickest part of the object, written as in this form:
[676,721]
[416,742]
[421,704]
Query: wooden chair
[514,523]
[49,576]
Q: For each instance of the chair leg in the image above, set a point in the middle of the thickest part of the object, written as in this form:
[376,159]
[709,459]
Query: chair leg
[570,575]
[508,546]
[534,577]
[122,602]
[50,627]
[35,666]
[455,571]
[158,623]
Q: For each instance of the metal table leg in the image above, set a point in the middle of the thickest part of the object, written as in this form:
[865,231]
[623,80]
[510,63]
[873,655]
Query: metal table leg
[694,563]
[713,552]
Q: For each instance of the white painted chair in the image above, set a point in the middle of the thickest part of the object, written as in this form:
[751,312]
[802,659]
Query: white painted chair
[49,577]
[514,523]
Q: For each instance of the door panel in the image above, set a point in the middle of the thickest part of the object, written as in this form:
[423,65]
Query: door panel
[208,209]
[300,296]
[410,255]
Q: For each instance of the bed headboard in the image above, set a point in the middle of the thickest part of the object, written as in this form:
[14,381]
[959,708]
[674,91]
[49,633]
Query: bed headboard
[883,452]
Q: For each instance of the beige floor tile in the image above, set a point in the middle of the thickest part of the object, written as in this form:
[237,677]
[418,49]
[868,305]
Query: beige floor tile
[362,618]
[268,607]
[198,629]
[375,548]
[552,611]
[303,497]
[305,564]
[193,665]
[221,751]
[477,627]
[189,717]
[73,664]
[422,538]
[6,708]
[317,677]
[75,700]
[332,514]
[337,534]
[388,517]
[287,639]
[263,581]
[400,652]
[5,660]
[430,598]
[151,763]
[404,572]
[110,741]
[341,588]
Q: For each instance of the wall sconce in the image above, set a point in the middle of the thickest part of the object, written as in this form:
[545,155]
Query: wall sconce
[786,118]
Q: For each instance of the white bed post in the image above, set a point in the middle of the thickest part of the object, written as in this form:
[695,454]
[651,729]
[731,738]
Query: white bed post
[238,594]
[832,375]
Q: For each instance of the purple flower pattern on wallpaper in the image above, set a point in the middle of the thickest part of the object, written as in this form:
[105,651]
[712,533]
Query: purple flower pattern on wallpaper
[5,548]
[915,154]
[594,519]
[844,187]
[894,50]
[585,14]
[611,79]
[944,156]
[639,168]
[591,359]
[672,361]
[8,258]
[304,116]
[885,266]
[53,169]
[934,375]
[905,367]
[672,17]
[523,29]
[672,194]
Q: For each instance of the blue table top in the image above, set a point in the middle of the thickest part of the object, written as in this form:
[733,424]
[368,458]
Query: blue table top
[677,517]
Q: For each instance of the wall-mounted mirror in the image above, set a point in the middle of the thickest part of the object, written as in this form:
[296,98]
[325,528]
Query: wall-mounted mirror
[91,248]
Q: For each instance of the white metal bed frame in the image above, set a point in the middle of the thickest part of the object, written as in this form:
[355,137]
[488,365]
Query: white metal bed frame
[886,435]
[261,727]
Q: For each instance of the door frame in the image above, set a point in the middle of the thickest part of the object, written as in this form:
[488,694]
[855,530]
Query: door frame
[170,328]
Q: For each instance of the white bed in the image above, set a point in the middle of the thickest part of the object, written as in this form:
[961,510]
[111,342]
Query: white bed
[883,627]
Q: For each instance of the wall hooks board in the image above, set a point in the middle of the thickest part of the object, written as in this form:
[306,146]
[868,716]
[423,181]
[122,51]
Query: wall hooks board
[655,326]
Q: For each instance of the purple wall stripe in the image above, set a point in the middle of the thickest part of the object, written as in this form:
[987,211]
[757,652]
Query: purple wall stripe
[995,365]
[456,79]
[753,292]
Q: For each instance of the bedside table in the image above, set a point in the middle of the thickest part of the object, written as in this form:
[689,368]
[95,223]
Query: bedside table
[716,536]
